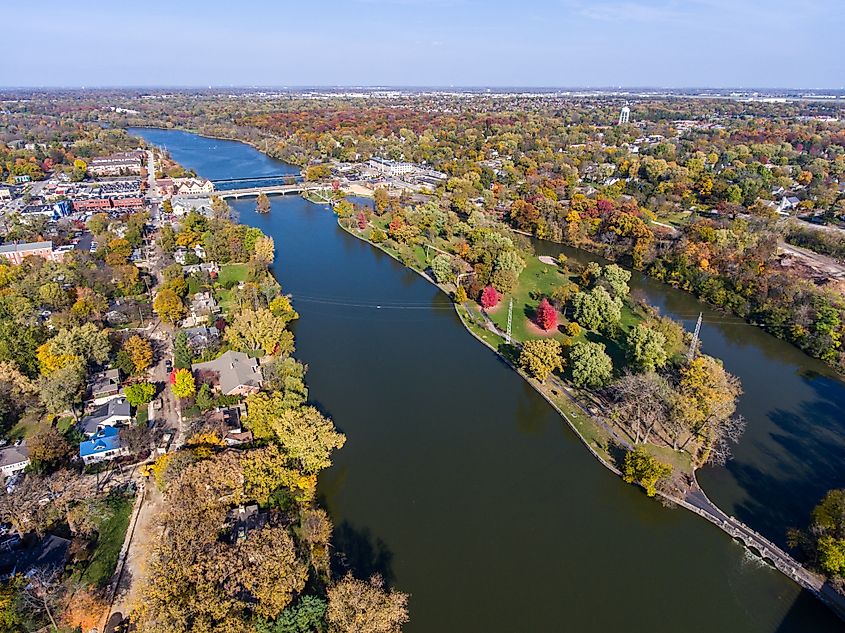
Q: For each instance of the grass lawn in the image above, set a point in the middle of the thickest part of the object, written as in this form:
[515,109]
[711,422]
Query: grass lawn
[539,279]
[28,425]
[232,273]
[194,285]
[109,541]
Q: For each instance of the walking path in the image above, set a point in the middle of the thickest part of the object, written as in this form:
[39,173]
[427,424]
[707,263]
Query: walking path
[698,502]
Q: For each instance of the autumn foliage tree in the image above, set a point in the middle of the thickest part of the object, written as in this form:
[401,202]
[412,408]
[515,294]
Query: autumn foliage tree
[183,384]
[546,316]
[490,297]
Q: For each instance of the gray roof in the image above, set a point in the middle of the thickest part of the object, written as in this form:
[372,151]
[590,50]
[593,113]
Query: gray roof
[116,407]
[24,246]
[104,382]
[235,369]
[10,455]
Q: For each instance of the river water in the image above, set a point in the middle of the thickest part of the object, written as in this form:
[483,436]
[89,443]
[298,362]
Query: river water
[461,486]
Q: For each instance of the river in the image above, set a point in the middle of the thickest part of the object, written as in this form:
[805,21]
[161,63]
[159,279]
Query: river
[461,486]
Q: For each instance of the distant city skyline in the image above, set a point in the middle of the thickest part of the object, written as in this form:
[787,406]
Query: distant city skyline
[461,43]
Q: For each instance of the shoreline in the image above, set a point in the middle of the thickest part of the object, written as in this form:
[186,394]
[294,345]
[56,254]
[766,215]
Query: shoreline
[751,541]
[839,375]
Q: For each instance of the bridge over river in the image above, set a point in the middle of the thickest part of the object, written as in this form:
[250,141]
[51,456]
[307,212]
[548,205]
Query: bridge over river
[696,501]
[269,185]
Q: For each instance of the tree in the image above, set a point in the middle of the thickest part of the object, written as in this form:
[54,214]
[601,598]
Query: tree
[441,266]
[139,393]
[546,317]
[183,357]
[380,200]
[590,365]
[597,310]
[645,348]
[641,403]
[265,250]
[48,447]
[89,304]
[616,279]
[541,357]
[306,616]
[62,389]
[357,606]
[11,605]
[262,204]
[140,351]
[286,376]
[343,208]
[87,342]
[307,437]
[183,384]
[706,403]
[260,330]
[168,306]
[281,307]
[220,209]
[490,297]
[460,295]
[824,541]
[641,468]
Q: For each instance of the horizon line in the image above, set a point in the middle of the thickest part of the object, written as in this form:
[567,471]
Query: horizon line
[292,87]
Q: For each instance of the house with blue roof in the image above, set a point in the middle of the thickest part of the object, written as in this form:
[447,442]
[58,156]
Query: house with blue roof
[103,446]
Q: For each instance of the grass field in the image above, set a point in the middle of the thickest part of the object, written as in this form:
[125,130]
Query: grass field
[110,537]
[232,273]
[229,274]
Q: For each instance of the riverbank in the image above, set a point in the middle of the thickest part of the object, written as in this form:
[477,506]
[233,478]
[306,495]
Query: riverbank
[599,441]
[481,479]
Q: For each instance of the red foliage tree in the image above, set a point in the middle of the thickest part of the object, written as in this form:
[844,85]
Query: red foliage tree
[546,316]
[362,221]
[490,297]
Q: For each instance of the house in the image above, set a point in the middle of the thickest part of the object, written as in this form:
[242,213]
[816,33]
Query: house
[104,386]
[183,206]
[201,338]
[237,374]
[245,519]
[165,186]
[227,420]
[5,194]
[192,186]
[48,554]
[103,446]
[788,203]
[13,459]
[15,252]
[108,414]
[202,307]
[206,267]
[203,304]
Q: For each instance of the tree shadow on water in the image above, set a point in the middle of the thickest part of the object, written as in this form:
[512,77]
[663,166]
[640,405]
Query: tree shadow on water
[807,614]
[357,551]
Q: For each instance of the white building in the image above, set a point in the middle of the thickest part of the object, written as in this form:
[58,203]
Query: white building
[13,459]
[391,168]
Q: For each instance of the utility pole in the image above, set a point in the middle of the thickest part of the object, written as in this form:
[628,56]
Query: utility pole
[694,344]
[510,321]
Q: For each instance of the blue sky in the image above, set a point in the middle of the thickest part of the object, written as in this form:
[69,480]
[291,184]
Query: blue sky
[672,43]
